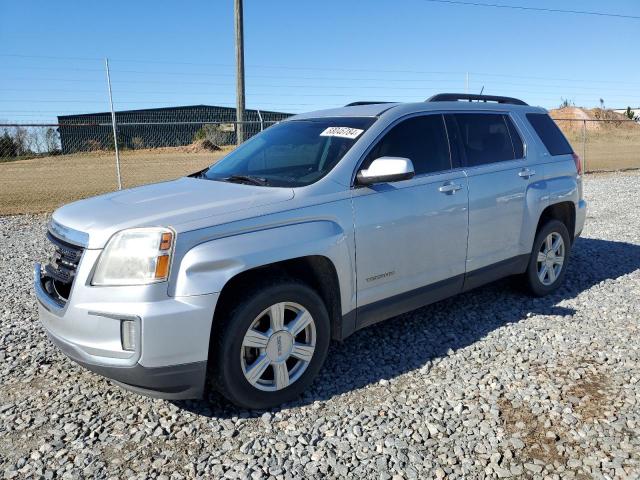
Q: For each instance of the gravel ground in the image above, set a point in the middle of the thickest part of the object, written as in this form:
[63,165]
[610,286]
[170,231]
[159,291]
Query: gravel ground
[488,384]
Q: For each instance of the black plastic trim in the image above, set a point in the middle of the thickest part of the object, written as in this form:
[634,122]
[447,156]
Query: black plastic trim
[407,301]
[355,104]
[454,97]
[491,273]
[174,382]
[381,310]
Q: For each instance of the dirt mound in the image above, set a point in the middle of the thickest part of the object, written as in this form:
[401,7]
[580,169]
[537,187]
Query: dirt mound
[200,146]
[569,119]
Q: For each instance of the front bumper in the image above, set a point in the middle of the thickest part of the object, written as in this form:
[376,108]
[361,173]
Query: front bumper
[172,335]
[172,382]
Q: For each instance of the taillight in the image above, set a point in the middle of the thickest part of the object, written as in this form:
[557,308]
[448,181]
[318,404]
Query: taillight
[578,160]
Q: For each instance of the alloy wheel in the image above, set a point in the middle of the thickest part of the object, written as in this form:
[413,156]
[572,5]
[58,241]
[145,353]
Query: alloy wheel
[278,346]
[550,259]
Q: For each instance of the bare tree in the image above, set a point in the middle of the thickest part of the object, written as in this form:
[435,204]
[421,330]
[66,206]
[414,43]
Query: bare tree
[52,142]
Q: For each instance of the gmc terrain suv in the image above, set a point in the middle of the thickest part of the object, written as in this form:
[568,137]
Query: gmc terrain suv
[237,277]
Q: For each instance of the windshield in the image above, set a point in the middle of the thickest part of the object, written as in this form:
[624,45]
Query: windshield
[290,154]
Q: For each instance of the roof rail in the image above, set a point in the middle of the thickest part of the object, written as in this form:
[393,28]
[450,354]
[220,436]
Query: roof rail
[355,104]
[454,97]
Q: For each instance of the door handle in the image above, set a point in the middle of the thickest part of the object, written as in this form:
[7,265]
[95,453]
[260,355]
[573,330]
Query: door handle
[450,188]
[526,173]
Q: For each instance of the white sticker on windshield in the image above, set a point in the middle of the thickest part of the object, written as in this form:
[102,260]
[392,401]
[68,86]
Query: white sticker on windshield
[344,132]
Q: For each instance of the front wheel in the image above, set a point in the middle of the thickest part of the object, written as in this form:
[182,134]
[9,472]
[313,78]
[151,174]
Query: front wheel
[549,259]
[270,345]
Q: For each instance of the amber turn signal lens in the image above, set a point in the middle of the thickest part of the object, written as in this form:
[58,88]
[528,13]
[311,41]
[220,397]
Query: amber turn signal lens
[165,241]
[162,267]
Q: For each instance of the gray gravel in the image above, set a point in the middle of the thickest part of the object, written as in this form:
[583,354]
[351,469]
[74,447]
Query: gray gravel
[488,384]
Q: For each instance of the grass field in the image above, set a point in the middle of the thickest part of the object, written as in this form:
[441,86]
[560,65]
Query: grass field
[608,150]
[42,184]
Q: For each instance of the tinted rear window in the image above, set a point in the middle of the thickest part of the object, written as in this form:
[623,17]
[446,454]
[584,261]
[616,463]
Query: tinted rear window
[549,133]
[485,138]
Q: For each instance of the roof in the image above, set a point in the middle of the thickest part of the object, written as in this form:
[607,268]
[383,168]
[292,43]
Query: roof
[370,110]
[377,109]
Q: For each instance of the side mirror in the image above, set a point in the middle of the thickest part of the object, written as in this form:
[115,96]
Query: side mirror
[386,169]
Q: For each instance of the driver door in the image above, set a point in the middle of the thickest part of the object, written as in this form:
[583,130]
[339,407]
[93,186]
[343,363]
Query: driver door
[411,235]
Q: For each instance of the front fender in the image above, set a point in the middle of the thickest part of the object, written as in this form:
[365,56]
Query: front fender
[207,267]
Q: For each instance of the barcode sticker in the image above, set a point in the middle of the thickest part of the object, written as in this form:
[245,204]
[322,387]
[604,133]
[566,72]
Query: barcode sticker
[344,132]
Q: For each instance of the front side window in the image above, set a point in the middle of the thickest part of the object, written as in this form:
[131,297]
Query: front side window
[486,138]
[290,154]
[423,140]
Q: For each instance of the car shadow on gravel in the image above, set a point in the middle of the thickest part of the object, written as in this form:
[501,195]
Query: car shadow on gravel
[420,338]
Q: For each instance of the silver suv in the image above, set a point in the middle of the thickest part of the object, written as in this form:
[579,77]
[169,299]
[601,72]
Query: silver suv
[237,277]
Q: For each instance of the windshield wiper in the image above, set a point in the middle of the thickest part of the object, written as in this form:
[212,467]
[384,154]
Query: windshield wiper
[247,179]
[199,173]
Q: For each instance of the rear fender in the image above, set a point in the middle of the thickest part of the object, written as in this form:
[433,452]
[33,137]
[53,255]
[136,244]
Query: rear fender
[536,200]
[559,185]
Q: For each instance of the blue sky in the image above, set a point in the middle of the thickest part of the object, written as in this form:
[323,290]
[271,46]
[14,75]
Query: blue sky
[303,55]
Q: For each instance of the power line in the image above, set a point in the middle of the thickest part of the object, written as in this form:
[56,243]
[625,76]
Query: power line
[156,73]
[327,68]
[477,78]
[205,98]
[535,9]
[522,87]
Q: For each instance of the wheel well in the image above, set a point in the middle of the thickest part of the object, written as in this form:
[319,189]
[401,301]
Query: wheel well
[564,212]
[316,271]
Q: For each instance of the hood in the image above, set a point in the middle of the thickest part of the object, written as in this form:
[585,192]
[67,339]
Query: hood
[163,204]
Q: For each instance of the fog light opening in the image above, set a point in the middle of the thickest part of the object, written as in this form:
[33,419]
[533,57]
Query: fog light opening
[128,335]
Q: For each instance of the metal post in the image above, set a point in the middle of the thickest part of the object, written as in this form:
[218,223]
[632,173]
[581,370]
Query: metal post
[584,146]
[113,124]
[261,121]
[239,72]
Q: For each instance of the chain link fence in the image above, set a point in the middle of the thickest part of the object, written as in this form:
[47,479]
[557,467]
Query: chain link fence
[604,144]
[43,166]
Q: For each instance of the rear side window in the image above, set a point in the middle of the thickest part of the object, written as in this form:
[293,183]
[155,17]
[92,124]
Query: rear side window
[423,140]
[486,138]
[549,133]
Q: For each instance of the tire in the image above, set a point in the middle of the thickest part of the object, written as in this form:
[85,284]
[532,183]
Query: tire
[245,338]
[538,281]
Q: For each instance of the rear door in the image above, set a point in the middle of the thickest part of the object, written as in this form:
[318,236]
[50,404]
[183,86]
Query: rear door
[411,235]
[492,153]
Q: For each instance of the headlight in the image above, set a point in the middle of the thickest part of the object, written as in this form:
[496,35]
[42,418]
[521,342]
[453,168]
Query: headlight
[135,257]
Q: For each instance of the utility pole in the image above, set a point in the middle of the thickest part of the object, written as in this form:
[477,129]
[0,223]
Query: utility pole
[113,125]
[239,71]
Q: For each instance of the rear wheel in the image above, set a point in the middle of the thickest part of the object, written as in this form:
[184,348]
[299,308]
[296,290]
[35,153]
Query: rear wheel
[549,258]
[270,345]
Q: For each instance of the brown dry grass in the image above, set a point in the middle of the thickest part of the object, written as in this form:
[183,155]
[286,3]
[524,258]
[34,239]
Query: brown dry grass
[608,149]
[43,184]
[533,435]
[610,145]
[590,398]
